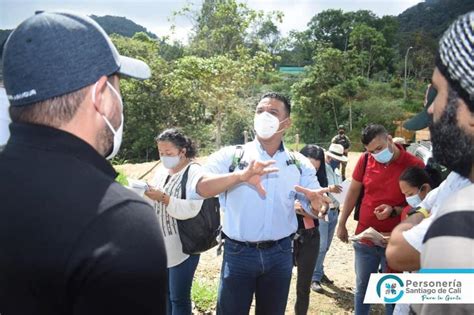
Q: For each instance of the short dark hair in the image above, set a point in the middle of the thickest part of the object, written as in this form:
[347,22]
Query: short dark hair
[371,131]
[282,98]
[415,176]
[316,152]
[52,112]
[180,140]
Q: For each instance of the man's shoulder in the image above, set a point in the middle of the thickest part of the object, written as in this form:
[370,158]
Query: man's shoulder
[461,200]
[451,233]
[117,195]
[409,159]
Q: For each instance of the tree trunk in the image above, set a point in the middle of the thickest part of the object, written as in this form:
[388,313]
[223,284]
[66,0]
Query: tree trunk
[350,115]
[334,111]
[370,64]
[219,129]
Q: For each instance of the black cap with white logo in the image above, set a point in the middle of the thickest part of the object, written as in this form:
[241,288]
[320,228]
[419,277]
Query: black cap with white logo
[52,54]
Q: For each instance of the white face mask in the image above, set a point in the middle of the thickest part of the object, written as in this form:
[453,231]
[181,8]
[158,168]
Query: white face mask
[117,133]
[266,125]
[170,162]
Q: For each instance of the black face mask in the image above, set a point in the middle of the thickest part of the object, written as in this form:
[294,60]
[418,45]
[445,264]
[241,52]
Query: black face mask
[452,146]
[341,132]
[334,164]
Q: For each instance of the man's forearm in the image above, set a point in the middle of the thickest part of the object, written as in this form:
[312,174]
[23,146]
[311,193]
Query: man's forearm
[400,254]
[349,204]
[212,185]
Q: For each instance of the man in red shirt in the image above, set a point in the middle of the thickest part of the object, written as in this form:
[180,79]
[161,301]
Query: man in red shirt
[381,204]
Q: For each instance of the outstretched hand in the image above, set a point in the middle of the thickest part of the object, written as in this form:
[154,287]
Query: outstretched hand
[252,174]
[319,202]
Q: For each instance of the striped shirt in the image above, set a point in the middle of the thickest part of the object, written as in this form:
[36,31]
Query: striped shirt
[449,244]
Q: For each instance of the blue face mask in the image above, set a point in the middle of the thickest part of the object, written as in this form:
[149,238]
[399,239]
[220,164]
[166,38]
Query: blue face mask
[414,200]
[334,164]
[383,156]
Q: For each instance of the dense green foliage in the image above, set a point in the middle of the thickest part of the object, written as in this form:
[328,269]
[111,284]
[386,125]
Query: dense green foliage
[354,72]
[353,76]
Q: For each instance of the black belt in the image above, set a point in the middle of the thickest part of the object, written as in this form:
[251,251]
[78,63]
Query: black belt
[258,245]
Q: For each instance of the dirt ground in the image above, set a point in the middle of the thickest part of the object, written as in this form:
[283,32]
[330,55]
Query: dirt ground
[339,263]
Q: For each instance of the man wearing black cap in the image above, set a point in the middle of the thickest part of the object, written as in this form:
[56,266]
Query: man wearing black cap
[72,240]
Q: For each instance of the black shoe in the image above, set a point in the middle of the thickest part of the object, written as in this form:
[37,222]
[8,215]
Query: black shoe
[326,280]
[316,287]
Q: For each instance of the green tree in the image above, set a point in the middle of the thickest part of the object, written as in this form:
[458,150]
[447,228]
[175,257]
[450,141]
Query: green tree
[317,101]
[368,49]
[214,85]
[143,105]
[220,27]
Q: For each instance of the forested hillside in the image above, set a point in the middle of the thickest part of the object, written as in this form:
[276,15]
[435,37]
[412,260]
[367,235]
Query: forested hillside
[121,26]
[354,72]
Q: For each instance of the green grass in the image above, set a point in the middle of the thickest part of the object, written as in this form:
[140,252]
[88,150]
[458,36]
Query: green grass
[204,295]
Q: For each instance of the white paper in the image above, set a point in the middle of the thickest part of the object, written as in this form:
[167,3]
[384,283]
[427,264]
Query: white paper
[340,197]
[372,235]
[138,186]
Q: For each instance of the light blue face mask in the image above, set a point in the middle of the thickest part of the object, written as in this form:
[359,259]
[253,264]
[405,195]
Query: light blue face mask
[383,156]
[414,200]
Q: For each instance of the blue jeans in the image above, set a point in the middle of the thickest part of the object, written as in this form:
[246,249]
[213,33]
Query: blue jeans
[326,233]
[367,260]
[180,280]
[248,270]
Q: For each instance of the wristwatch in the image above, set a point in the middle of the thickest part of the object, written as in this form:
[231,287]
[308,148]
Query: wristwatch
[394,212]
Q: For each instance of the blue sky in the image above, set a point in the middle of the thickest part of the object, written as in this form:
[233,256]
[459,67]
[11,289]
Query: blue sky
[155,14]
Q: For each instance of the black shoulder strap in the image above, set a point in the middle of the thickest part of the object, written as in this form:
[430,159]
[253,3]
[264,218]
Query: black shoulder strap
[184,180]
[366,157]
[236,158]
[294,160]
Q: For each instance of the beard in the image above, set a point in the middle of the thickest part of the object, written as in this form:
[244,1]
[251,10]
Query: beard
[452,146]
[105,137]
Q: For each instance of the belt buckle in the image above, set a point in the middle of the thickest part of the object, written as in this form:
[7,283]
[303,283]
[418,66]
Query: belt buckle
[265,244]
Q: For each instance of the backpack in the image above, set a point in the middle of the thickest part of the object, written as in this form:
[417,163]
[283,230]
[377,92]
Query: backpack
[239,153]
[200,233]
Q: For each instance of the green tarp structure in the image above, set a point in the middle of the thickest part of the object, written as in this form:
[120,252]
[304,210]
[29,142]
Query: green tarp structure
[291,70]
